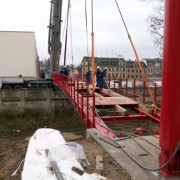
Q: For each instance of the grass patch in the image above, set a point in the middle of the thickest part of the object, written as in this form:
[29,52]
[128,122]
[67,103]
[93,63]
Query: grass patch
[65,119]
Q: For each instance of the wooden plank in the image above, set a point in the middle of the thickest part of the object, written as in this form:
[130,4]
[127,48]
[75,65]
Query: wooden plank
[113,101]
[120,109]
[111,93]
[99,162]
[144,108]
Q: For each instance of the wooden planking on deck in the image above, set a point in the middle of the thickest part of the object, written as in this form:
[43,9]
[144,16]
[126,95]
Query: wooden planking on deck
[112,101]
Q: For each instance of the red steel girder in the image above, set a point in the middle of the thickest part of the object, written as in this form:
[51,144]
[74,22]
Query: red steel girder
[112,119]
[170,110]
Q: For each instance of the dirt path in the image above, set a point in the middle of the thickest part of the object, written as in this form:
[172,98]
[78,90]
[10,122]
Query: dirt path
[13,148]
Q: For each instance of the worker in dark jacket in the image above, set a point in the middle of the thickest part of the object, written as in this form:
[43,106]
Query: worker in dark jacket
[103,76]
[98,77]
[64,71]
[88,76]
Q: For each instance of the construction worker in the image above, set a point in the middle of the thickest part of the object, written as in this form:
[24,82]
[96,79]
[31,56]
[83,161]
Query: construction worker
[98,77]
[64,71]
[88,76]
[104,71]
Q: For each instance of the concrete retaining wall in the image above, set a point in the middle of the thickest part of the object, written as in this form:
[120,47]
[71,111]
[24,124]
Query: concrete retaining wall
[43,100]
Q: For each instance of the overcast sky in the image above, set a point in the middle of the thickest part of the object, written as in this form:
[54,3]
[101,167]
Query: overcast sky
[110,36]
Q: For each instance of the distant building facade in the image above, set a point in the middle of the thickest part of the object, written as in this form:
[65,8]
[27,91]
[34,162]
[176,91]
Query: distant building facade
[133,71]
[154,69]
[115,66]
[119,67]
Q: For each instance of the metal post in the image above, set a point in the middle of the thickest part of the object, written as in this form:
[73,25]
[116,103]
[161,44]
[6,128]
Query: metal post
[71,90]
[68,87]
[155,93]
[109,81]
[120,82]
[74,91]
[135,89]
[82,94]
[87,96]
[126,87]
[93,109]
[114,82]
[77,96]
[170,110]
[144,92]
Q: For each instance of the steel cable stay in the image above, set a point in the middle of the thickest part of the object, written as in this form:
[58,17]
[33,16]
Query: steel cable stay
[65,48]
[63,34]
[137,58]
[87,47]
[72,56]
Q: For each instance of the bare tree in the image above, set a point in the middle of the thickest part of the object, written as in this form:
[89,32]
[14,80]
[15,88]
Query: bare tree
[156,21]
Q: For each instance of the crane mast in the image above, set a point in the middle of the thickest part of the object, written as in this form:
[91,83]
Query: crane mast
[54,43]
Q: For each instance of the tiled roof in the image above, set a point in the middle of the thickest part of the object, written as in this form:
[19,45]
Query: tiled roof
[152,60]
[105,60]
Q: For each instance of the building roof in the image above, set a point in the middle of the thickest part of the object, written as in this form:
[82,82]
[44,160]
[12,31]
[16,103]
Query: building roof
[104,59]
[130,64]
[152,60]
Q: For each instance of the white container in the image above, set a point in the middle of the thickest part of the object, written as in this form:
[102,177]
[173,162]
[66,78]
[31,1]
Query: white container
[18,55]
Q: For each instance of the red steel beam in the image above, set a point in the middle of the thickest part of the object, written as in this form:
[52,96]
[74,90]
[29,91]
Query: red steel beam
[170,110]
[110,119]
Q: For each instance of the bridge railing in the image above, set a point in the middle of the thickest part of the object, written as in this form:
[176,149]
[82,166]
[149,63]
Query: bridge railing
[132,88]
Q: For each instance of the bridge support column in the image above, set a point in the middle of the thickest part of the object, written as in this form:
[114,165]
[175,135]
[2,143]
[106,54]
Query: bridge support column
[170,114]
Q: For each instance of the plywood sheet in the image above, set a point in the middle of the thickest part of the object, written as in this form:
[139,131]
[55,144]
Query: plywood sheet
[113,101]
